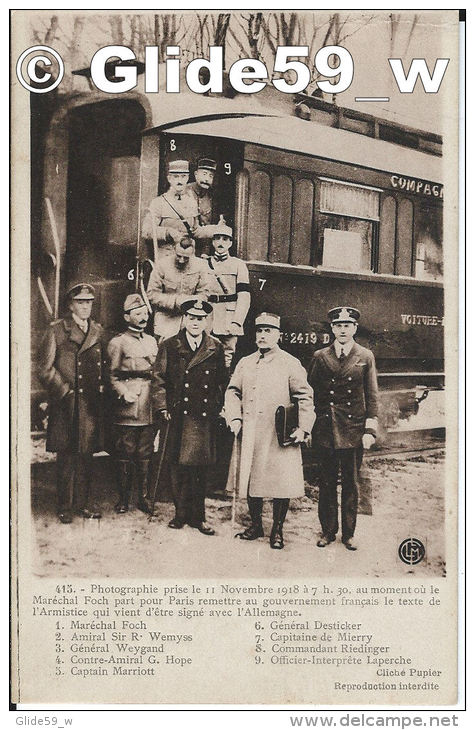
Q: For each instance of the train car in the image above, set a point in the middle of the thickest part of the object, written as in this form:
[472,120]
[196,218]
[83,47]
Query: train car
[329,206]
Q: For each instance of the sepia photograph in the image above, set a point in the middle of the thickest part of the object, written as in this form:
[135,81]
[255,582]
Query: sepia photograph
[242,294]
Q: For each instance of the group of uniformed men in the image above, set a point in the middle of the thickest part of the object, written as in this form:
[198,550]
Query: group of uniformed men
[180,383]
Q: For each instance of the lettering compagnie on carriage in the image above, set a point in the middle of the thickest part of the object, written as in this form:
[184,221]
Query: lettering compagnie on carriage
[327,204]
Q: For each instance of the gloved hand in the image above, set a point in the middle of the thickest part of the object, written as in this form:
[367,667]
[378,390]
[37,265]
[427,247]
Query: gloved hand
[235,426]
[368,440]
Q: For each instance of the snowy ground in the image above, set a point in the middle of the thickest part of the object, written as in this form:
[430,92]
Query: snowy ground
[407,501]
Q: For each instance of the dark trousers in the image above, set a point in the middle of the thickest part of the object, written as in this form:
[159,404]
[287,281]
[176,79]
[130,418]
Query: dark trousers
[134,443]
[330,462]
[189,490]
[73,480]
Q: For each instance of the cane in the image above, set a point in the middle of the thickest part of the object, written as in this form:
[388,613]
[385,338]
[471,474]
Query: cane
[234,468]
[162,447]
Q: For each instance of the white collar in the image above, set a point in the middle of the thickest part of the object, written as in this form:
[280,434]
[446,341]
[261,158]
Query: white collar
[346,347]
[83,324]
[194,342]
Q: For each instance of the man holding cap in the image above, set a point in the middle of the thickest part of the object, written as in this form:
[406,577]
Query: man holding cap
[72,368]
[172,215]
[188,384]
[345,385]
[174,280]
[132,355]
[262,382]
[231,294]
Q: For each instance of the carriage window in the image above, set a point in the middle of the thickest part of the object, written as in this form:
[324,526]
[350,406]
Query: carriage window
[348,220]
[428,240]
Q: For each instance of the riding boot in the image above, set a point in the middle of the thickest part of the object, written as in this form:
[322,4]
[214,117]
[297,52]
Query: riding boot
[124,481]
[255,530]
[279,509]
[143,503]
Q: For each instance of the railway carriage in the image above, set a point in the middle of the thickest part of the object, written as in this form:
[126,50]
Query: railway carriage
[329,206]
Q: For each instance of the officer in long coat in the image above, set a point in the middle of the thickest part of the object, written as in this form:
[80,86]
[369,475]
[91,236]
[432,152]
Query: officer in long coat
[231,293]
[188,385]
[72,366]
[173,281]
[343,377]
[260,383]
[132,355]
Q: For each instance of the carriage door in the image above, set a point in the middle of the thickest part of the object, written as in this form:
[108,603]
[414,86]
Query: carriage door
[103,195]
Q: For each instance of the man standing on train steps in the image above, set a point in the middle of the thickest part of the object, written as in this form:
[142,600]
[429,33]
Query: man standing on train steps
[343,377]
[231,294]
[72,368]
[174,280]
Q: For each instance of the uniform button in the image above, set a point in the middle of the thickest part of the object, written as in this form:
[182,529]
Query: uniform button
[348,403]
[185,399]
[204,414]
[206,386]
[206,372]
[333,380]
[185,413]
[187,385]
[186,372]
[80,376]
[205,400]
[80,390]
[99,362]
[332,392]
[349,378]
[331,403]
[349,415]
[79,362]
[349,391]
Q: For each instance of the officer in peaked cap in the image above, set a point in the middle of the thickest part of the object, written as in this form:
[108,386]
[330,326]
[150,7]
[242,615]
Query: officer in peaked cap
[230,294]
[262,382]
[344,380]
[132,355]
[172,215]
[188,389]
[72,367]
[200,192]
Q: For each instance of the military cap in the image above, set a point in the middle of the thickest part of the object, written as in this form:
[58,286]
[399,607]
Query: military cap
[80,291]
[178,166]
[267,319]
[133,301]
[206,163]
[197,307]
[221,229]
[343,314]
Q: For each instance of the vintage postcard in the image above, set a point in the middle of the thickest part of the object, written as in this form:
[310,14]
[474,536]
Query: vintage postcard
[234,339]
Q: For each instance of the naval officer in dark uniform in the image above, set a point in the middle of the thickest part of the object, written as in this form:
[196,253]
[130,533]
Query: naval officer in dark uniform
[72,368]
[189,379]
[343,378]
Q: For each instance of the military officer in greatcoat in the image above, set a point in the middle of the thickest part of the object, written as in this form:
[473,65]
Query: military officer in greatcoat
[343,377]
[262,382]
[231,294]
[72,366]
[173,281]
[132,355]
[188,387]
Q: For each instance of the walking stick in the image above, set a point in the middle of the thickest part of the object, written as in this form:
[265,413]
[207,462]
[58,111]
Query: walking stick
[234,468]
[162,447]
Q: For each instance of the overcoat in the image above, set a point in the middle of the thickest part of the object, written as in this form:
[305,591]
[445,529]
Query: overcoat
[346,396]
[70,361]
[169,286]
[191,387]
[258,386]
